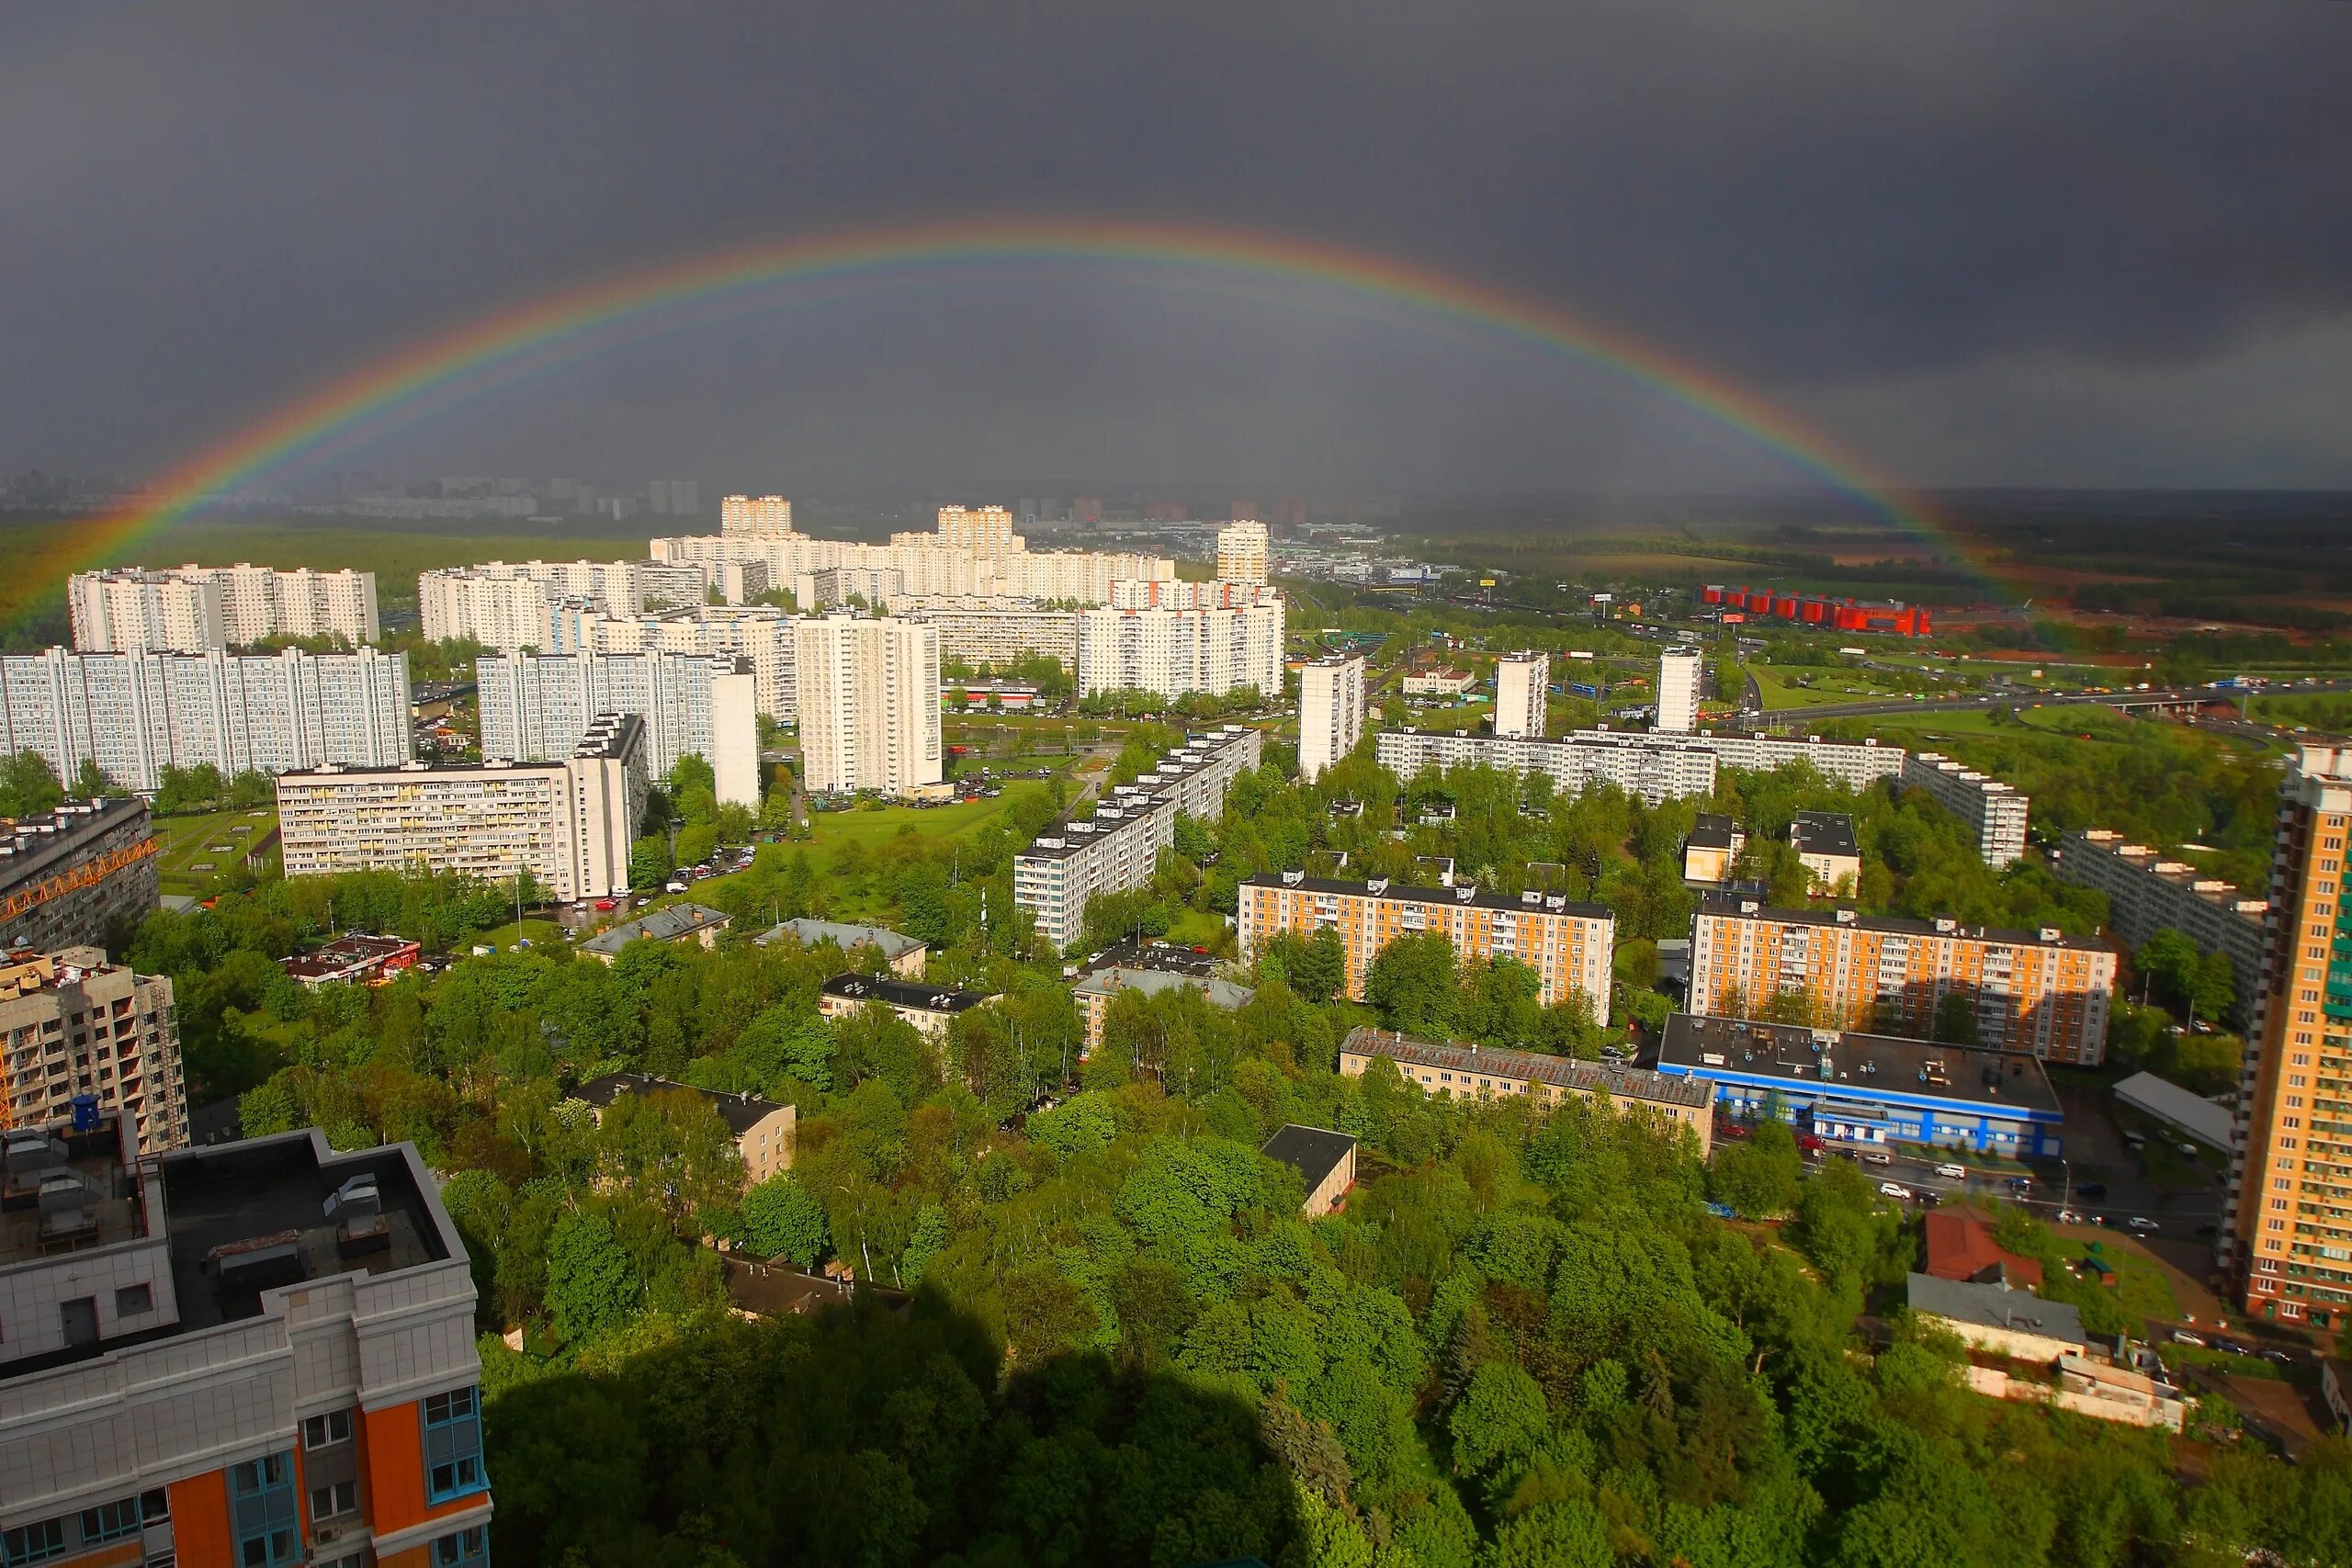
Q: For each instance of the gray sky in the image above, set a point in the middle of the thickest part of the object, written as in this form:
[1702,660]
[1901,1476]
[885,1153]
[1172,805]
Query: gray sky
[2102,241]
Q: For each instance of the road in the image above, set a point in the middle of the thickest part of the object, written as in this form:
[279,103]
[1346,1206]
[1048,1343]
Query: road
[1750,718]
[2176,1213]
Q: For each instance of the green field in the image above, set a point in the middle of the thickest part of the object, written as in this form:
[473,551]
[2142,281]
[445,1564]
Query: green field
[189,842]
[542,933]
[1829,687]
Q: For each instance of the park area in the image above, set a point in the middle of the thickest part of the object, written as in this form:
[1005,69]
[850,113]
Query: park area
[196,849]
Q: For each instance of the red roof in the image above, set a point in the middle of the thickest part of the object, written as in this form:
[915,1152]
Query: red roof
[1960,1247]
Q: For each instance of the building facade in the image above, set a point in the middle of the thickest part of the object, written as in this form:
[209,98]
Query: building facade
[1856,766]
[1522,695]
[1824,844]
[73,877]
[506,605]
[254,1355]
[2146,893]
[1654,768]
[1678,689]
[2044,992]
[1330,712]
[569,823]
[535,707]
[193,609]
[136,713]
[869,705]
[1476,1072]
[1568,945]
[1241,551]
[756,517]
[1173,653]
[978,531]
[1995,812]
[979,629]
[759,633]
[72,1024]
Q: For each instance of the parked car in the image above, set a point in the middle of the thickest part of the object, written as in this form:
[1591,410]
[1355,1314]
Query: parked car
[2187,1336]
[2186,1147]
[2278,1358]
[2069,1217]
[1877,1156]
[1894,1189]
[2021,1183]
[2232,1347]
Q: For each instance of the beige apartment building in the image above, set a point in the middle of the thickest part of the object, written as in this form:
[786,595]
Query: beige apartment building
[193,609]
[1475,1072]
[2040,991]
[756,517]
[1241,551]
[1330,712]
[1568,945]
[72,1024]
[869,705]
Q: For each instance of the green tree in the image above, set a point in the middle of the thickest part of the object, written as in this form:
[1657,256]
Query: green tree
[781,1220]
[1415,985]
[1955,1019]
[27,787]
[592,1284]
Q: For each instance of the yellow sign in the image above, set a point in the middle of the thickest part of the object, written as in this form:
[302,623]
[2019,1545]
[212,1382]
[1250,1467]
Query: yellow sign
[1485,583]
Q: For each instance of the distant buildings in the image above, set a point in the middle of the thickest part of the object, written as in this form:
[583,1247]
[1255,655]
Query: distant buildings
[982,531]
[1656,768]
[136,713]
[926,565]
[673,498]
[1995,812]
[569,823]
[535,707]
[1438,682]
[756,517]
[1568,946]
[1176,652]
[2146,893]
[758,633]
[1824,844]
[1678,689]
[73,877]
[1330,712]
[1858,766]
[1522,695]
[508,605]
[1241,551]
[869,705]
[73,1024]
[2040,991]
[978,629]
[1475,1072]
[193,609]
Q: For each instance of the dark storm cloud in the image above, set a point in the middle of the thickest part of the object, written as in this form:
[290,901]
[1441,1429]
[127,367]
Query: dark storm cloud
[203,209]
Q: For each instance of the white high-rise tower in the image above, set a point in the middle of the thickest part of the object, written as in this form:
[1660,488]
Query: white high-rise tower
[1523,688]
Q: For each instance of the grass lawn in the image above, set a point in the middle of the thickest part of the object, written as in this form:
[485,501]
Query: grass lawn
[831,829]
[1197,928]
[541,933]
[192,841]
[1830,686]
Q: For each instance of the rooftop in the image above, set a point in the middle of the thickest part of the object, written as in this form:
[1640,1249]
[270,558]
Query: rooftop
[1113,978]
[1822,834]
[2167,1101]
[903,994]
[1960,1247]
[353,950]
[1734,907]
[1588,1077]
[675,923]
[1531,903]
[1313,1152]
[812,933]
[1863,1064]
[742,1113]
[613,735]
[1711,830]
[43,1215]
[1993,1306]
[29,846]
[25,973]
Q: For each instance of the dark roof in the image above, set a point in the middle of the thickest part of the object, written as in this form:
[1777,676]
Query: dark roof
[814,933]
[32,847]
[1469,897]
[1313,1152]
[1993,1306]
[1586,1078]
[903,994]
[675,923]
[1822,834]
[742,1113]
[1733,905]
[1866,1065]
[1710,830]
[355,950]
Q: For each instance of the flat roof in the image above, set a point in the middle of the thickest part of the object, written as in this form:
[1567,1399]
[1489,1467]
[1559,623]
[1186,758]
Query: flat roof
[1733,905]
[2167,1101]
[1313,1152]
[903,994]
[1868,1067]
[1822,834]
[1993,1306]
[30,846]
[351,951]
[1468,897]
[1711,830]
[742,1113]
[1590,1077]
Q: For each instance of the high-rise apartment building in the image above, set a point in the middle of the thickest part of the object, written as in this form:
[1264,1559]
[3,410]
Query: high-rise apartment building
[571,823]
[1241,551]
[1859,766]
[1522,695]
[923,565]
[1995,812]
[74,1025]
[1568,945]
[1330,712]
[506,605]
[1171,653]
[1170,593]
[868,703]
[249,1355]
[136,713]
[2146,893]
[1654,767]
[74,876]
[190,609]
[985,531]
[2287,1227]
[979,629]
[1678,689]
[2040,991]
[756,517]
[758,633]
[673,498]
[537,707]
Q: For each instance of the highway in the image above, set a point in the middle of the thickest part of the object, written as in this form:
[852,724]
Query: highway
[1749,718]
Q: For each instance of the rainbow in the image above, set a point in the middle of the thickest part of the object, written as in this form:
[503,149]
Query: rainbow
[514,342]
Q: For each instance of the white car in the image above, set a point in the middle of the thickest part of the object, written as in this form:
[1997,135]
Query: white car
[1952,1172]
[2143,1225]
[1894,1189]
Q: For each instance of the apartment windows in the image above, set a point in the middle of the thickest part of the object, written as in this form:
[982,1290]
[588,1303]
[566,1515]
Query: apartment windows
[453,1446]
[461,1546]
[33,1543]
[325,1431]
[334,1500]
[110,1521]
[262,1512]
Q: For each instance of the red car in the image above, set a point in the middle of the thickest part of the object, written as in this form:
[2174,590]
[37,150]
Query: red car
[1809,1143]
[604,905]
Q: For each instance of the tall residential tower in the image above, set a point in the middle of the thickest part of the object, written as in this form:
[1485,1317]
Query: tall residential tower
[1523,690]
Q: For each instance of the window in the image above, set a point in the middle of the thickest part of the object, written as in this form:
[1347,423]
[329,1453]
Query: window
[332,1502]
[132,1300]
[155,1507]
[110,1521]
[325,1431]
[452,1447]
[262,1510]
[33,1543]
[463,1547]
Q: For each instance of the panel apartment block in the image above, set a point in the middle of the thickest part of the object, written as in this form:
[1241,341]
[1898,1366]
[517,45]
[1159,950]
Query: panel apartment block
[1476,1072]
[72,1024]
[2146,893]
[73,877]
[986,629]
[1113,851]
[1172,653]
[1858,766]
[569,823]
[759,633]
[2040,991]
[190,609]
[1993,810]
[505,605]
[136,713]
[1241,551]
[257,1353]
[1330,712]
[535,707]
[1568,945]
[869,705]
[1522,693]
[1656,768]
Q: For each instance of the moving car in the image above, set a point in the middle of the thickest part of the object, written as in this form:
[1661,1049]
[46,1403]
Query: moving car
[1952,1172]
[2187,1336]
[1877,1156]
[1894,1189]
[2143,1225]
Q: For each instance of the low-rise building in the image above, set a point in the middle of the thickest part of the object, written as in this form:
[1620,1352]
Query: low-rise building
[81,1033]
[354,957]
[2175,1107]
[931,1009]
[697,923]
[1869,1090]
[1438,682]
[2146,893]
[1824,841]
[1993,810]
[1715,843]
[1960,1247]
[253,1353]
[764,1131]
[2015,1324]
[73,876]
[1325,1160]
[1468,1071]
[1095,989]
[903,954]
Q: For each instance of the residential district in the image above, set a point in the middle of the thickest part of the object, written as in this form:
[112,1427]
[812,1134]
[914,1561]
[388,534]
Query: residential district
[777,928]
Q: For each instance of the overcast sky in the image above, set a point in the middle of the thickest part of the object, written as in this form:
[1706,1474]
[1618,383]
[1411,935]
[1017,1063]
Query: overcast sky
[2094,241]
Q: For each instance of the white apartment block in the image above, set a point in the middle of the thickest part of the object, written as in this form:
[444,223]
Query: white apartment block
[1113,851]
[1856,766]
[1678,689]
[137,713]
[1994,810]
[1241,551]
[829,586]
[1330,712]
[1656,768]
[924,566]
[1522,693]
[1173,653]
[984,629]
[869,705]
[2146,893]
[569,823]
[1075,577]
[535,707]
[1169,594]
[1568,945]
[756,517]
[505,605]
[72,1023]
[190,609]
[755,632]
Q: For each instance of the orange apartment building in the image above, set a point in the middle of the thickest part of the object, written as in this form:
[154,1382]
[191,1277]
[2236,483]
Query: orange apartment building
[248,1355]
[2041,991]
[2287,1235]
[1568,945]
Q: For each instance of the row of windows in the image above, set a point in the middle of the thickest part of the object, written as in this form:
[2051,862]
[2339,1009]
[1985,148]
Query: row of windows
[47,1538]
